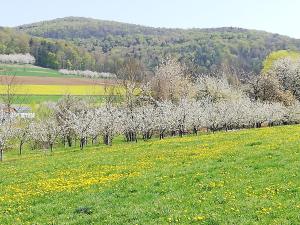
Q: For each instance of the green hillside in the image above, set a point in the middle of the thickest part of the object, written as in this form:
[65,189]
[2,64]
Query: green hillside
[28,70]
[244,177]
[48,53]
[277,55]
[201,49]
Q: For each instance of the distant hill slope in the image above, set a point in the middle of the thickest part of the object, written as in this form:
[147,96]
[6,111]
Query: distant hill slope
[28,70]
[49,53]
[205,48]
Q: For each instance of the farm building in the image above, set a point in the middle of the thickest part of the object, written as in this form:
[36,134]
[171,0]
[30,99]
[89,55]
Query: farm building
[16,111]
[24,112]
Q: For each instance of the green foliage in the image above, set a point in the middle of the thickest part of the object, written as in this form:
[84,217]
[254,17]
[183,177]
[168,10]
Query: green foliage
[274,56]
[242,177]
[29,70]
[55,54]
[12,41]
[81,43]
[208,49]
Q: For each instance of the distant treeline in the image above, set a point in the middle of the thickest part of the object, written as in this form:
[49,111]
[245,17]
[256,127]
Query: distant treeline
[55,54]
[87,44]
[201,49]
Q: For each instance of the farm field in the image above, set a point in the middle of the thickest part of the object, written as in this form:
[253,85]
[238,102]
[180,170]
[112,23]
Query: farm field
[26,80]
[37,99]
[28,70]
[38,84]
[56,89]
[29,74]
[243,177]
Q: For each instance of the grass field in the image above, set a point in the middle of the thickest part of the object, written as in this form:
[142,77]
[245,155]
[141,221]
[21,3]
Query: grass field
[243,177]
[28,70]
[37,99]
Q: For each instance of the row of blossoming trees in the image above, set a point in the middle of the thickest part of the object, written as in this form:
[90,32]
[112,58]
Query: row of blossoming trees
[88,74]
[17,59]
[23,59]
[168,104]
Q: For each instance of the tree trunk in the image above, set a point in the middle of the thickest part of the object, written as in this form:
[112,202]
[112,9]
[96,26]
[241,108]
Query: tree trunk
[69,140]
[135,137]
[180,132]
[107,139]
[95,140]
[131,136]
[64,141]
[82,142]
[104,139]
[147,135]
[195,131]
[20,147]
[1,155]
[161,134]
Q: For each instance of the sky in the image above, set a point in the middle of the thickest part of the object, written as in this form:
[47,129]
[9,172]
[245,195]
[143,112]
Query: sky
[277,16]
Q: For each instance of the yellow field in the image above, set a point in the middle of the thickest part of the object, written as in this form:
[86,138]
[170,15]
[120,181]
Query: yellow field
[55,89]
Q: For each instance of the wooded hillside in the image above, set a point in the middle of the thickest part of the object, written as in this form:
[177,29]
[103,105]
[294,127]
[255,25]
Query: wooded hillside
[201,49]
[82,43]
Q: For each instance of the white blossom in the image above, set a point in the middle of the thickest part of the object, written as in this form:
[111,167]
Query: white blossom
[88,74]
[17,59]
[45,131]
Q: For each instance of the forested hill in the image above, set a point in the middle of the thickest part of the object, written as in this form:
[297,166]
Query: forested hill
[49,53]
[202,49]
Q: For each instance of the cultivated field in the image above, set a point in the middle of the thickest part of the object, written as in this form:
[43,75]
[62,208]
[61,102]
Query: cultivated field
[25,80]
[56,90]
[36,84]
[243,177]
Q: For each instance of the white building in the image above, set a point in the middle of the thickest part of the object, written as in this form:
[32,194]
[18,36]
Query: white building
[24,112]
[16,111]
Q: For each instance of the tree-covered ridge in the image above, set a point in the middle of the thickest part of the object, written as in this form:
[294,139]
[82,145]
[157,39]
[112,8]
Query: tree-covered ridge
[47,52]
[80,27]
[12,41]
[202,49]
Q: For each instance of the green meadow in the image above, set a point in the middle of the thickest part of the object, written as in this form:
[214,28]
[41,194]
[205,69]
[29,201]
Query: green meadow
[38,99]
[28,70]
[240,177]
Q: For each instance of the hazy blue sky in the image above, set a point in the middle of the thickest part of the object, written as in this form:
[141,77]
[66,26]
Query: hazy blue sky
[278,16]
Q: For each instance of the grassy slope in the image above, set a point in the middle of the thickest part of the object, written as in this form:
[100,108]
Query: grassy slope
[28,70]
[244,177]
[37,99]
